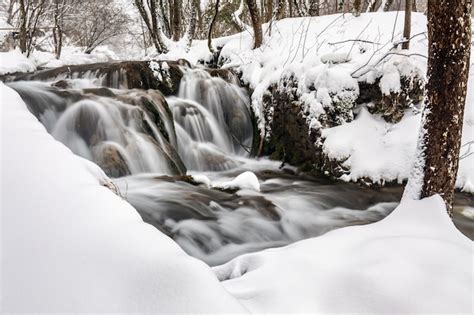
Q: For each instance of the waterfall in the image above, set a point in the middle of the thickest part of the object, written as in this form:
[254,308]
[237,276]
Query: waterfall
[212,120]
[114,132]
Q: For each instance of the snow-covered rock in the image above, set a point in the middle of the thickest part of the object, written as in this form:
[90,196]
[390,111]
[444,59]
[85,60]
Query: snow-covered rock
[247,180]
[69,245]
[413,261]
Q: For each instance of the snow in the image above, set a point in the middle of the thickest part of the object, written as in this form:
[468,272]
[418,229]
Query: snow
[245,181]
[15,61]
[71,245]
[374,148]
[413,261]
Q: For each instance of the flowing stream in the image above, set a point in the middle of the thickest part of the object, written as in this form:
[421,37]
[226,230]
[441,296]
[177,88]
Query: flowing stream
[149,145]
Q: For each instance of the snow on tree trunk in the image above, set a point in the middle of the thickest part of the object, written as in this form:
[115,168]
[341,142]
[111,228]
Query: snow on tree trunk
[192,24]
[449,33]
[256,22]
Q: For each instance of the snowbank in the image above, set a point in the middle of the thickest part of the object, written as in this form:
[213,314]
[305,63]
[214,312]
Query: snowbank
[413,261]
[15,61]
[71,245]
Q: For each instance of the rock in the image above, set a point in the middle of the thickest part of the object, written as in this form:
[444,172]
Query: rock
[392,106]
[109,158]
[124,74]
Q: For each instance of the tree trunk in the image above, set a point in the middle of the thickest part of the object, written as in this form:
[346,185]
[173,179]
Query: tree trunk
[192,24]
[256,23]
[269,10]
[176,26]
[356,7]
[407,24]
[449,35]
[314,8]
[57,29]
[387,5]
[209,34]
[23,32]
[151,23]
[166,22]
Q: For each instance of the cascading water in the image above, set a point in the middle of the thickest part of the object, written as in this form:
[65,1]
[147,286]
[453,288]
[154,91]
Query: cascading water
[212,121]
[142,138]
[114,133]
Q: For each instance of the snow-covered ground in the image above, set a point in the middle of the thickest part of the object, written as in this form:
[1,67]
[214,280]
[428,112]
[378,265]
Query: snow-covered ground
[69,244]
[413,261]
[14,61]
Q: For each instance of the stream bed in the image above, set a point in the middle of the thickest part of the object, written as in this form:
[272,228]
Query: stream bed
[170,157]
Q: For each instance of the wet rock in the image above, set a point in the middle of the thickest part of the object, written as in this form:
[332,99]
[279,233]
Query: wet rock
[124,74]
[392,106]
[291,140]
[112,162]
[227,75]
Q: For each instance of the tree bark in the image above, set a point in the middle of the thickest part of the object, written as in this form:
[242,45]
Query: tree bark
[211,26]
[192,24]
[314,8]
[176,26]
[256,23]
[356,7]
[407,24]
[449,35]
[23,34]
[151,22]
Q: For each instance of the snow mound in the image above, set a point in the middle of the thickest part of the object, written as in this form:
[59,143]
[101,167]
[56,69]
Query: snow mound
[374,148]
[246,180]
[70,245]
[15,61]
[413,261]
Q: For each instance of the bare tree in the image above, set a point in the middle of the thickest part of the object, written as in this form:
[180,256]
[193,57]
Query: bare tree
[92,23]
[211,26]
[60,9]
[256,23]
[191,30]
[30,12]
[148,13]
[449,35]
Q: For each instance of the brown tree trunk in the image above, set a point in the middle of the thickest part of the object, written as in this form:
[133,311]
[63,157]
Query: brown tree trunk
[269,12]
[356,7]
[151,23]
[256,23]
[407,24]
[387,5]
[449,35]
[209,34]
[23,32]
[176,26]
[314,8]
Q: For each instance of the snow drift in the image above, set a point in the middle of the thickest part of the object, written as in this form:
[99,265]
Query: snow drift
[413,261]
[71,245]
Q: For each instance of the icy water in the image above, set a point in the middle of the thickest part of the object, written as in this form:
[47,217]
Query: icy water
[208,130]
